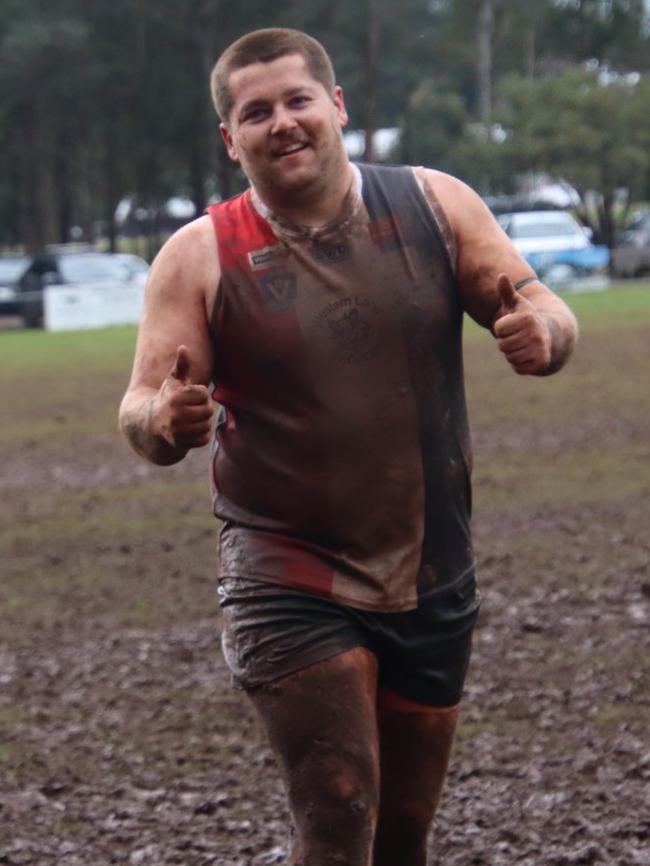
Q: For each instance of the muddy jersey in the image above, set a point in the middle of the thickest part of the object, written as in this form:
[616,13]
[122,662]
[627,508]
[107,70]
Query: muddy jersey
[341,462]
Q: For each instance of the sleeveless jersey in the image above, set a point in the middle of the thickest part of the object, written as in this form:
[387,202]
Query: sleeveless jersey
[342,461]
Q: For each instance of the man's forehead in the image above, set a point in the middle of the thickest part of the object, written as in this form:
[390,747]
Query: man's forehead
[285,72]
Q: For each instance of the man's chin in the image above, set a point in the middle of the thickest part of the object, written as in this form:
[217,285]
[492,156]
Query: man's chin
[297,178]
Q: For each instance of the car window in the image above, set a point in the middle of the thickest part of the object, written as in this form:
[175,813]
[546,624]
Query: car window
[543,229]
[88,267]
[12,269]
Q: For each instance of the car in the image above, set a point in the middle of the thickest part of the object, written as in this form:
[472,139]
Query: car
[66,268]
[631,257]
[12,269]
[558,248]
[637,233]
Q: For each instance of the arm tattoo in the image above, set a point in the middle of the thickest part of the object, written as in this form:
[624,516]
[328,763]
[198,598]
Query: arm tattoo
[519,285]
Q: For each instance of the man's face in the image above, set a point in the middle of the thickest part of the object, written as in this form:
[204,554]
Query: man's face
[284,128]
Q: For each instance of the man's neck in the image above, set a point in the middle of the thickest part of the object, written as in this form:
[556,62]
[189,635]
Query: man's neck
[311,208]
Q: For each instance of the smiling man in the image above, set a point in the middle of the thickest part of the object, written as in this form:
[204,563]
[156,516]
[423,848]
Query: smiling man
[325,305]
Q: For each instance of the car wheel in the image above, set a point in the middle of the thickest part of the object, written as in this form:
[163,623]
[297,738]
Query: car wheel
[32,316]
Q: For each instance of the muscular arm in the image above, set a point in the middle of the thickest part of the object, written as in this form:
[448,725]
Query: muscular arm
[167,408]
[534,328]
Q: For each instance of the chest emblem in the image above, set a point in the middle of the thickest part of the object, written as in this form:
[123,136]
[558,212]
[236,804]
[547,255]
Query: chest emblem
[351,329]
[331,254]
[279,290]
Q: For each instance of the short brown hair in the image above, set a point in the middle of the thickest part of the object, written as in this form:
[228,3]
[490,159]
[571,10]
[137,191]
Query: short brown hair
[263,46]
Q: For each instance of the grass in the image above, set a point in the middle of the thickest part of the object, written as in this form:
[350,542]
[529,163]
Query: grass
[77,353]
[60,393]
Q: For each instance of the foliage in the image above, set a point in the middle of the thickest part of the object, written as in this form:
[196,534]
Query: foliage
[101,101]
[585,130]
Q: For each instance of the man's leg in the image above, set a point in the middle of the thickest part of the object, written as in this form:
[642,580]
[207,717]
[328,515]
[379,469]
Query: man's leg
[415,744]
[322,726]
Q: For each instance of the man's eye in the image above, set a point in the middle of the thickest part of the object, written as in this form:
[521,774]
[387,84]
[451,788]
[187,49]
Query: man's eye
[255,114]
[299,100]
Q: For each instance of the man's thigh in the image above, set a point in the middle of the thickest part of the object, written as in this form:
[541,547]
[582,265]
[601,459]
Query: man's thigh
[322,726]
[325,715]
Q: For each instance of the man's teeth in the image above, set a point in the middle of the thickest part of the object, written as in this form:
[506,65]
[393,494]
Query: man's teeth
[292,149]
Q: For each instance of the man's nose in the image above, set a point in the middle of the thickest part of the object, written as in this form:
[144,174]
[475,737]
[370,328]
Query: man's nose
[283,120]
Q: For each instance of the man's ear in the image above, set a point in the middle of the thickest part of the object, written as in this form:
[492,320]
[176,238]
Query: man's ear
[227,140]
[339,103]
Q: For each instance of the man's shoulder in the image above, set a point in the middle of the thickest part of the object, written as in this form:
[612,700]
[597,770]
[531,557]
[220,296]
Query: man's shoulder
[442,181]
[457,199]
[192,239]
[190,255]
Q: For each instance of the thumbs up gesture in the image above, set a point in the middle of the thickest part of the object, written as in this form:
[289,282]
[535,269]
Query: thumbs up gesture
[523,333]
[181,411]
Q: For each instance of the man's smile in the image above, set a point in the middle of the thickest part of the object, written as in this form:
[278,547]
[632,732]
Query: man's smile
[290,149]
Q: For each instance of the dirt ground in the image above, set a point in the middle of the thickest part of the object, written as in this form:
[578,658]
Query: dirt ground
[121,740]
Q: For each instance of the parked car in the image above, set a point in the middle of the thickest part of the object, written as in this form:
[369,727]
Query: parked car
[631,258]
[73,269]
[558,248]
[637,233]
[12,269]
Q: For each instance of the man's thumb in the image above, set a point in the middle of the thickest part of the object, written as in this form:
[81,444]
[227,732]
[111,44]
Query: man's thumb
[182,365]
[507,292]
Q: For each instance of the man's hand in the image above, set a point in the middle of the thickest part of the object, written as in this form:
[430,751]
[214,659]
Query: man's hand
[523,333]
[182,412]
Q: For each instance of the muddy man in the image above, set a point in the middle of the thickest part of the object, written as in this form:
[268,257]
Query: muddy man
[321,310]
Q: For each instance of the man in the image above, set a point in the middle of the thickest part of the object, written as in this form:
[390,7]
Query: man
[325,305]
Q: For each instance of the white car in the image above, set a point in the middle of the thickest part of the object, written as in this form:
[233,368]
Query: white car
[558,248]
[543,230]
[74,269]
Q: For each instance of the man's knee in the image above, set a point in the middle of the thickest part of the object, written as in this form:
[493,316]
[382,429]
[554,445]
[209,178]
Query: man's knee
[353,794]
[336,809]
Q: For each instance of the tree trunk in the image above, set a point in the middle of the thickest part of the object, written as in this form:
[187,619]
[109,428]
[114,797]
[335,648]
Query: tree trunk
[46,210]
[372,53]
[64,192]
[41,189]
[110,184]
[530,51]
[197,159]
[485,34]
[607,219]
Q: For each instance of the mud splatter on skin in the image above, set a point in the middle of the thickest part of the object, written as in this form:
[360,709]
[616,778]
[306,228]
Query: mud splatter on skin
[336,696]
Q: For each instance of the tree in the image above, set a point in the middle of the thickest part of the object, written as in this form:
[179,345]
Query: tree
[583,128]
[103,100]
[44,63]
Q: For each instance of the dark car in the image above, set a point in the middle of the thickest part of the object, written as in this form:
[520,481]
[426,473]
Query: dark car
[72,269]
[631,258]
[12,268]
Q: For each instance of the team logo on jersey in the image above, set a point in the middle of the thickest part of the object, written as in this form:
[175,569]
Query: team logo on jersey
[331,254]
[279,290]
[264,257]
[351,328]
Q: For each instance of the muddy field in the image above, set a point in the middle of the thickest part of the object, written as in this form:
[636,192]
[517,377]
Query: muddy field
[120,738]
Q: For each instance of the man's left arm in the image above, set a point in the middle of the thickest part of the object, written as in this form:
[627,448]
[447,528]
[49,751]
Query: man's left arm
[534,328]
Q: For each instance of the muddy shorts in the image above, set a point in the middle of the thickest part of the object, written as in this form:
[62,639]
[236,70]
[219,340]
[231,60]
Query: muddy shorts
[269,631]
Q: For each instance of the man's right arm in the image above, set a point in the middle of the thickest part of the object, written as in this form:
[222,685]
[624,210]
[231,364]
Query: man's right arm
[167,408]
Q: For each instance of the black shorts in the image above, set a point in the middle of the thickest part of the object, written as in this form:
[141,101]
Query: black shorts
[269,631]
